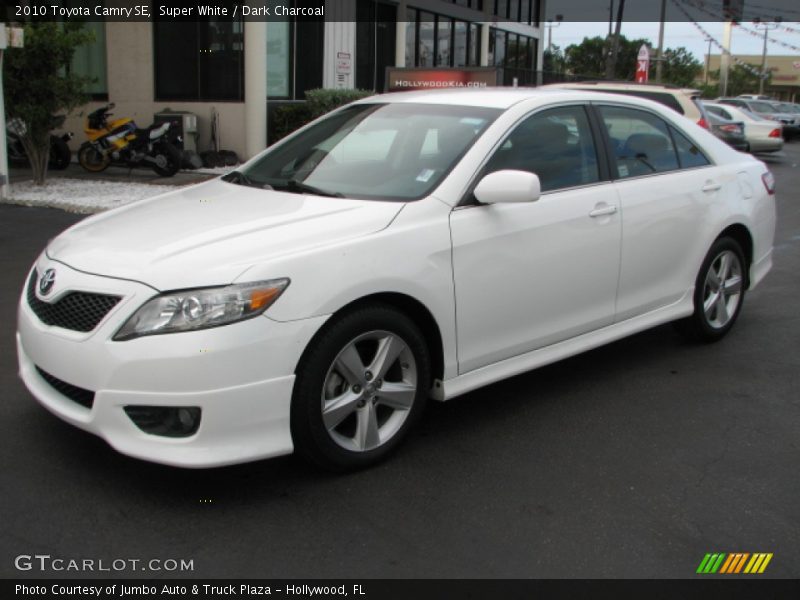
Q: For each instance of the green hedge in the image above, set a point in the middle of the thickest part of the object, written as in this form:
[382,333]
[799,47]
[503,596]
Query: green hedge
[323,101]
[291,117]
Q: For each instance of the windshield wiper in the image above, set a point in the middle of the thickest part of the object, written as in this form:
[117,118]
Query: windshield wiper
[293,185]
[240,178]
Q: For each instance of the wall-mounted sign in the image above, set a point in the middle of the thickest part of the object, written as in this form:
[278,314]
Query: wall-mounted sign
[344,63]
[399,79]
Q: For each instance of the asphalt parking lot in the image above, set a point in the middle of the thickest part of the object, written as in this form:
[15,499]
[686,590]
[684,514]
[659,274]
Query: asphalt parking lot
[633,460]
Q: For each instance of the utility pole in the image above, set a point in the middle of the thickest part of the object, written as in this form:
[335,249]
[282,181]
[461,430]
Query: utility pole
[708,59]
[766,25]
[725,57]
[550,24]
[660,57]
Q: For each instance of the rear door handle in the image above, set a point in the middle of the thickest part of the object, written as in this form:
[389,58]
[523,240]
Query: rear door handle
[602,211]
[711,187]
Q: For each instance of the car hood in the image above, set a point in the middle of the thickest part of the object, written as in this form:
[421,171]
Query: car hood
[211,233]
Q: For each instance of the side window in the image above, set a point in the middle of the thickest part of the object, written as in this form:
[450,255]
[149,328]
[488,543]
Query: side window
[688,152]
[555,144]
[640,140]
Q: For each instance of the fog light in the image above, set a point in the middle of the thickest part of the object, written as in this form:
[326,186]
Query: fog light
[167,421]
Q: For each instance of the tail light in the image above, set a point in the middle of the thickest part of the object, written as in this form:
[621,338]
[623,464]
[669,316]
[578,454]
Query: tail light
[775,133]
[769,182]
[703,123]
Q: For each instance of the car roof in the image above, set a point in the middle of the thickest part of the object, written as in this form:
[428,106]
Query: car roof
[499,97]
[626,85]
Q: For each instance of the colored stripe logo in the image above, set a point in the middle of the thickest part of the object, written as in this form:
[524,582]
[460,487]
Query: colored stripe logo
[734,563]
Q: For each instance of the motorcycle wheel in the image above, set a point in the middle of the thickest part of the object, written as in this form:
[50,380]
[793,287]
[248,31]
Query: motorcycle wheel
[92,160]
[172,159]
[60,154]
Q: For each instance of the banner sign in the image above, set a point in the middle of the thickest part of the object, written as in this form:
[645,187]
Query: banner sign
[643,64]
[400,79]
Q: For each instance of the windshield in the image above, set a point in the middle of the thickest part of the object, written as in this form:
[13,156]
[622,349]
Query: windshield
[372,151]
[789,108]
[762,107]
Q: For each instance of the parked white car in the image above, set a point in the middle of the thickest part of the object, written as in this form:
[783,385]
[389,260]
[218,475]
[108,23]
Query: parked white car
[762,135]
[411,245]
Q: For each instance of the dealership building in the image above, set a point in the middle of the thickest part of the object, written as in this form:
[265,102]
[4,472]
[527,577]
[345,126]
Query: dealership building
[240,70]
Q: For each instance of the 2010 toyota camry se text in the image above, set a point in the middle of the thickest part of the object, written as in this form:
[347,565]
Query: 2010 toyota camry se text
[405,247]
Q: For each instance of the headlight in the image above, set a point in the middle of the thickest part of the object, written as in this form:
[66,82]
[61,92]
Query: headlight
[188,310]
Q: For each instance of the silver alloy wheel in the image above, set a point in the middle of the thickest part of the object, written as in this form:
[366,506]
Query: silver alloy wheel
[722,291]
[369,391]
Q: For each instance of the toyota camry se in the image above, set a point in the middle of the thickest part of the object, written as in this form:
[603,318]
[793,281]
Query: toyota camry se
[405,247]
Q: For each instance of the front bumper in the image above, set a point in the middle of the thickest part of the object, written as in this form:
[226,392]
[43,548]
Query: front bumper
[240,376]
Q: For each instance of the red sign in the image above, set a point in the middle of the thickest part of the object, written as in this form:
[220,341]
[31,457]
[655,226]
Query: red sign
[399,79]
[642,65]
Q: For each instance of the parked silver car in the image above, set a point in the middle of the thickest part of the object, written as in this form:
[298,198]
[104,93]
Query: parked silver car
[770,110]
[761,134]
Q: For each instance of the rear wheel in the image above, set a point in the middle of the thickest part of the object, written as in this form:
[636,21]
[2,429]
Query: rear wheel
[91,159]
[719,292]
[168,159]
[60,154]
[360,387]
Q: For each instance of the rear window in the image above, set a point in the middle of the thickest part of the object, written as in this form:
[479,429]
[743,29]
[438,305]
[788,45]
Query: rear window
[662,98]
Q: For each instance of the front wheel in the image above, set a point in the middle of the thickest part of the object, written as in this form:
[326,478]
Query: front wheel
[718,294]
[168,159]
[360,386]
[91,159]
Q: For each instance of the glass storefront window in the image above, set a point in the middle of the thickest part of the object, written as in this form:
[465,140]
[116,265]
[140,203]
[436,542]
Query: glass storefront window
[411,37]
[501,8]
[425,45]
[90,60]
[278,59]
[444,32]
[499,48]
[474,44]
[460,44]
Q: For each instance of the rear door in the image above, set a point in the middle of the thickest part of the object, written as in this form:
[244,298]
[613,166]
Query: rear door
[666,187]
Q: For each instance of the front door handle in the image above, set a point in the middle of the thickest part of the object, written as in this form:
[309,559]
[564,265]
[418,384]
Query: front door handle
[711,186]
[603,210]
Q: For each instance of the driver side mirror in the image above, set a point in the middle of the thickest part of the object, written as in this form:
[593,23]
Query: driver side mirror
[508,186]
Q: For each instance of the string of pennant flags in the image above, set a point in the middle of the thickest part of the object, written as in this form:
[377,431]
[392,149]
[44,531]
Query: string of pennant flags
[746,66]
[699,5]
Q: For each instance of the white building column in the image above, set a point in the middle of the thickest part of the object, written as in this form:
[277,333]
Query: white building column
[339,54]
[255,86]
[485,32]
[400,35]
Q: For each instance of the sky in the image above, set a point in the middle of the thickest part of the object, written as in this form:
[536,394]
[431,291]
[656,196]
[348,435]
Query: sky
[683,34]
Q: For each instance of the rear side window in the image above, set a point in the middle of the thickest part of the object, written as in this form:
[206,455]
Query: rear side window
[641,142]
[717,110]
[689,154]
[667,100]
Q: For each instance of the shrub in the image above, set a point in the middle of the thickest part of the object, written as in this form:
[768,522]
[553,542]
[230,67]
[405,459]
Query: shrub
[323,101]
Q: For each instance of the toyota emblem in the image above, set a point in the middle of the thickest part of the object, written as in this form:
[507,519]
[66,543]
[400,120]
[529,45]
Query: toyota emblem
[47,282]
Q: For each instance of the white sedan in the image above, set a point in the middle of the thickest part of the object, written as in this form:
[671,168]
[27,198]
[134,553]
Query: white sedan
[761,134]
[408,246]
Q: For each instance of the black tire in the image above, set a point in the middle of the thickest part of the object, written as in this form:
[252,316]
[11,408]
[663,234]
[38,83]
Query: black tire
[91,159]
[312,439]
[173,159]
[60,154]
[702,326]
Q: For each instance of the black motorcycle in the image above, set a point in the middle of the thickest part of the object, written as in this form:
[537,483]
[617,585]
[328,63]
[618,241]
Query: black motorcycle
[60,154]
[121,142]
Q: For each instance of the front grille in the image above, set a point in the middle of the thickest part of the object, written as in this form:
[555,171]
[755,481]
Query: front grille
[73,392]
[78,311]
